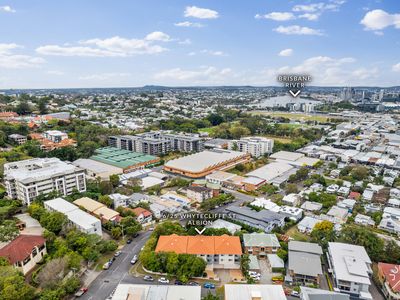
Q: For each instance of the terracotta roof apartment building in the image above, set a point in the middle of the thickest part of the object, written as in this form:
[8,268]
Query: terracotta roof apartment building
[218,251]
[7,115]
[47,144]
[24,252]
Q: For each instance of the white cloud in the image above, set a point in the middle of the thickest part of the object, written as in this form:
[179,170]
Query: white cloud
[309,16]
[379,19]
[332,5]
[111,47]
[396,68]
[104,76]
[185,42]
[158,36]
[202,75]
[7,9]
[10,60]
[200,13]
[277,16]
[188,24]
[55,72]
[298,30]
[213,52]
[286,52]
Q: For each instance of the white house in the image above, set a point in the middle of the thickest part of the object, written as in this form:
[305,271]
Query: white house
[292,199]
[351,269]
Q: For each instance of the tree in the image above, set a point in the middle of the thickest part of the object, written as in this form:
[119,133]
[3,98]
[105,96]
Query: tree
[36,210]
[363,236]
[360,173]
[291,188]
[105,187]
[215,119]
[114,179]
[323,233]
[53,221]
[116,232]
[8,231]
[23,108]
[130,226]
[106,200]
[42,106]
[211,297]
[13,286]
[52,273]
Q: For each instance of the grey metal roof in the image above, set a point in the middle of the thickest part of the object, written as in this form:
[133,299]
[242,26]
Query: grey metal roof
[318,294]
[303,263]
[305,247]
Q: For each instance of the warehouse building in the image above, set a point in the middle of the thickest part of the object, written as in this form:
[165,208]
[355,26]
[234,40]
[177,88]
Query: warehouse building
[95,169]
[201,164]
[124,159]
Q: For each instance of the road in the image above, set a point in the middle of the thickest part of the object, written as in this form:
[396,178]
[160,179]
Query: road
[108,280]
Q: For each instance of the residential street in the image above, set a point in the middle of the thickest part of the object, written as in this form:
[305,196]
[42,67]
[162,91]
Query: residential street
[108,280]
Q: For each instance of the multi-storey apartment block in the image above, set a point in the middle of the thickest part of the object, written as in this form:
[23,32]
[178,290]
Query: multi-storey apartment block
[255,146]
[158,142]
[27,179]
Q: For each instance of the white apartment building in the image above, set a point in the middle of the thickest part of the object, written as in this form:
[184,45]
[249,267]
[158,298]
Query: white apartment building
[55,136]
[255,146]
[77,218]
[27,179]
[351,268]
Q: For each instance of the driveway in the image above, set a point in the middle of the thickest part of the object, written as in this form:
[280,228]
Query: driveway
[266,272]
[32,226]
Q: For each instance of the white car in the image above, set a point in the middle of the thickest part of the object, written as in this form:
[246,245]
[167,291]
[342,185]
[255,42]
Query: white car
[118,253]
[163,280]
[134,260]
[254,274]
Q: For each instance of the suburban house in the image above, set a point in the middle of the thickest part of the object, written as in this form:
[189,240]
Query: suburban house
[351,269]
[199,193]
[389,276]
[307,224]
[220,252]
[304,263]
[142,215]
[24,252]
[260,244]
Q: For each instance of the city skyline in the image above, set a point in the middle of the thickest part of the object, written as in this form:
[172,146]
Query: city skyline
[197,43]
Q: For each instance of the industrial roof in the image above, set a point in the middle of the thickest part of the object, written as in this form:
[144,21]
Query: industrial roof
[121,158]
[156,292]
[271,171]
[204,160]
[96,166]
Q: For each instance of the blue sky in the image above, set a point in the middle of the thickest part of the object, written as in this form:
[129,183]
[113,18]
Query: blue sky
[127,43]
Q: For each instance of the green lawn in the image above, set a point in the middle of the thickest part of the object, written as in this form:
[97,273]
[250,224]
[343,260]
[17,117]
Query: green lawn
[294,233]
[294,116]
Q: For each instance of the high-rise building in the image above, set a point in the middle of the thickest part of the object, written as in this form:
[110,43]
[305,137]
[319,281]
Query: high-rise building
[27,179]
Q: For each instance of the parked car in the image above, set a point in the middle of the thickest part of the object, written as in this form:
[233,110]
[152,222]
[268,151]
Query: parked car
[209,285]
[148,278]
[151,228]
[81,292]
[163,280]
[295,294]
[178,282]
[193,283]
[136,235]
[118,253]
[106,265]
[134,260]
[128,241]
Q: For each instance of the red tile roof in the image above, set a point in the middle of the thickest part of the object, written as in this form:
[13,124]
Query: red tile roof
[392,275]
[139,210]
[21,247]
[354,195]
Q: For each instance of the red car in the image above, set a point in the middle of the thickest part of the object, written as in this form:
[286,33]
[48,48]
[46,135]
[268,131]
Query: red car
[81,292]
